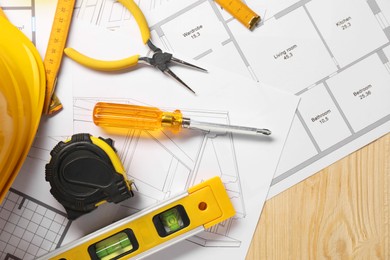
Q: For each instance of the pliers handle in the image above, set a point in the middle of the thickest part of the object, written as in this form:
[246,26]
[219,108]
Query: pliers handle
[115,64]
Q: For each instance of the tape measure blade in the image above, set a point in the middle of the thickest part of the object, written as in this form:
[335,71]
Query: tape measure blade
[54,51]
[239,10]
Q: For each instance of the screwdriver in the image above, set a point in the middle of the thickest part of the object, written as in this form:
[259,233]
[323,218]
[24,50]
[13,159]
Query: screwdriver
[152,118]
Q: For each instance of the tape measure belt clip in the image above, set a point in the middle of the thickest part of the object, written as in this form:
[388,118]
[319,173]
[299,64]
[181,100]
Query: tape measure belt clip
[82,175]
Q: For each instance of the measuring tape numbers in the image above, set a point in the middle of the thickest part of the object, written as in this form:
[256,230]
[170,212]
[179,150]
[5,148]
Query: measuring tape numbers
[199,208]
[54,52]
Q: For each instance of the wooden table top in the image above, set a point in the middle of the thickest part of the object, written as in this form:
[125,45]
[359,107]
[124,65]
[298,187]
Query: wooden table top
[342,212]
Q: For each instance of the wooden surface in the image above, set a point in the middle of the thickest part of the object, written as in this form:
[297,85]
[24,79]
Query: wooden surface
[342,212]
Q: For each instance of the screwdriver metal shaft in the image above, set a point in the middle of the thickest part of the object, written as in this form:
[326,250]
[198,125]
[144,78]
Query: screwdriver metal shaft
[151,118]
[214,127]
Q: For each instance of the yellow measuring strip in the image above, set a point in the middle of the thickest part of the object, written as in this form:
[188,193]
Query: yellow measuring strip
[54,52]
[241,12]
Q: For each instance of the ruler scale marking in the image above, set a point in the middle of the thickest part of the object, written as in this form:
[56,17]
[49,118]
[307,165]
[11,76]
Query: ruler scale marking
[54,52]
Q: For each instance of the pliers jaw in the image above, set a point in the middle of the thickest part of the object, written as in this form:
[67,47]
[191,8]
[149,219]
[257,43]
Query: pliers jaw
[161,60]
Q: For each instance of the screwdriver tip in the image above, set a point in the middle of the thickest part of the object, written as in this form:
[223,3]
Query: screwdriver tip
[264,131]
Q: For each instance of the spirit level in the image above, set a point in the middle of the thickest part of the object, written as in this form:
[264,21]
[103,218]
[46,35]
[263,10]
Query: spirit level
[239,10]
[150,230]
[54,52]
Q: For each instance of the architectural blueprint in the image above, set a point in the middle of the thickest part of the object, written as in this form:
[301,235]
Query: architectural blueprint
[29,227]
[178,161]
[333,54]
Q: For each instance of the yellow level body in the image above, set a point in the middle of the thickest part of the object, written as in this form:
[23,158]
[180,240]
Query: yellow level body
[150,230]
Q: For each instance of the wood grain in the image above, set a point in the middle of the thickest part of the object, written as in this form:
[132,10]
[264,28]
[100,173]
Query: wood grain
[342,212]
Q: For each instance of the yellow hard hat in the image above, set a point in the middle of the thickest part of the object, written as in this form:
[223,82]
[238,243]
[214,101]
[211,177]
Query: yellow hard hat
[22,92]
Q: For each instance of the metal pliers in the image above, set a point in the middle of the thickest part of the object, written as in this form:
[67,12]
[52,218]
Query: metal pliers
[159,60]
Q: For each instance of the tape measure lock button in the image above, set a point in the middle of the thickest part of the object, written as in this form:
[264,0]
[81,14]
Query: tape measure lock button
[85,172]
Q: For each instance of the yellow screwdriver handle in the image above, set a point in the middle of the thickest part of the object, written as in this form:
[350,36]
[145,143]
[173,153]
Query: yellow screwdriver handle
[136,117]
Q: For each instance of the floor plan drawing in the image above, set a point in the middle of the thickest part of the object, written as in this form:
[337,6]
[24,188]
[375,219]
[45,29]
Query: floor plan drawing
[246,166]
[334,55]
[345,96]
[337,63]
[29,228]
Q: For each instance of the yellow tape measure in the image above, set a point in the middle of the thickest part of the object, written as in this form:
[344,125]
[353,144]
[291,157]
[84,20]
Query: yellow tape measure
[241,12]
[199,208]
[54,52]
